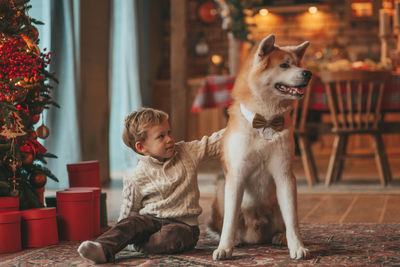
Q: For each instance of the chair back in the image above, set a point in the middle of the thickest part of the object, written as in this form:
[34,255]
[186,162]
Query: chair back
[355,98]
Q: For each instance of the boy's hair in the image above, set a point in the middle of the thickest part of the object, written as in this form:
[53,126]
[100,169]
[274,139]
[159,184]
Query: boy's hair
[138,122]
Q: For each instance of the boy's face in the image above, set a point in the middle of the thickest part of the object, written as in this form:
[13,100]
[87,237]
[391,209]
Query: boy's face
[160,143]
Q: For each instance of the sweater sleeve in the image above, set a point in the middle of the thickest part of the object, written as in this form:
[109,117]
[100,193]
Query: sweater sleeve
[207,147]
[131,202]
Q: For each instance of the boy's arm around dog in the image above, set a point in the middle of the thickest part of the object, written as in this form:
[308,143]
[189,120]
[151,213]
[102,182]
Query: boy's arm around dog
[205,148]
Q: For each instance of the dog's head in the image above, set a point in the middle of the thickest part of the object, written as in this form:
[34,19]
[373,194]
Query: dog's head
[276,70]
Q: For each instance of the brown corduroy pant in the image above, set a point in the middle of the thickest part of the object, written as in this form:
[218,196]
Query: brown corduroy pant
[149,235]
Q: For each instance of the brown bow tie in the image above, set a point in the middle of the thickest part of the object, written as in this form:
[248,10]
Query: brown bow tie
[276,123]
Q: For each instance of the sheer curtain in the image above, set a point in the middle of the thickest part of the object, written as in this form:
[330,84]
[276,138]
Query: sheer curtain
[60,34]
[124,82]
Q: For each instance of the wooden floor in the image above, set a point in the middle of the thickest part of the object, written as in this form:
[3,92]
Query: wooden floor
[349,208]
[338,208]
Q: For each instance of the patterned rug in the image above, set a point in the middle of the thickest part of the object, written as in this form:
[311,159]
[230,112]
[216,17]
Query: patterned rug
[329,244]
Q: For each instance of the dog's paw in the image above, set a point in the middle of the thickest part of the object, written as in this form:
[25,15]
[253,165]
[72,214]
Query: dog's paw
[279,239]
[222,254]
[299,253]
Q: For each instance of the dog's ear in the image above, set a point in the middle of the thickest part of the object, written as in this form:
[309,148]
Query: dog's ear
[265,47]
[301,49]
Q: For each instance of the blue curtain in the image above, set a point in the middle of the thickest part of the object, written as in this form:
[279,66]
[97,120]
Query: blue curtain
[124,81]
[61,35]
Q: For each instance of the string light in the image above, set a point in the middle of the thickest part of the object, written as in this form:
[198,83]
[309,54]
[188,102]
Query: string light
[263,12]
[313,9]
[216,59]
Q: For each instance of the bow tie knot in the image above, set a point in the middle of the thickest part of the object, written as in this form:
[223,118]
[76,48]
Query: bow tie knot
[276,123]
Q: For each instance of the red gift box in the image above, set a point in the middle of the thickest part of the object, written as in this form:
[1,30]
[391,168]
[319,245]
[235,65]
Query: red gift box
[86,173]
[96,205]
[39,227]
[10,231]
[9,204]
[75,215]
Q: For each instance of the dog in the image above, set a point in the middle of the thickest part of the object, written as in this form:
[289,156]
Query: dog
[256,202]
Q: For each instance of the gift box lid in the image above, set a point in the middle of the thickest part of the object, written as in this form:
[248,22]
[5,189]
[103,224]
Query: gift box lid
[10,217]
[84,166]
[39,213]
[96,190]
[9,202]
[74,195]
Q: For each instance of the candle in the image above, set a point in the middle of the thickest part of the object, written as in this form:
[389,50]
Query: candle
[384,22]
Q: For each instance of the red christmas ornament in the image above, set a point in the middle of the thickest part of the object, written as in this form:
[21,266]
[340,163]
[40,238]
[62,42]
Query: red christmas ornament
[35,118]
[29,158]
[38,180]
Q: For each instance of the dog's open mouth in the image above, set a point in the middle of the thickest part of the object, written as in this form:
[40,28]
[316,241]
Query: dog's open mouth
[297,91]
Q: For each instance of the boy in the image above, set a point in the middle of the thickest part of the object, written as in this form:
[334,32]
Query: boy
[161,198]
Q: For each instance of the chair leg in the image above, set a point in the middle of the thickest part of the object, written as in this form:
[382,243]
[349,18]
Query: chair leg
[308,161]
[334,159]
[337,173]
[382,163]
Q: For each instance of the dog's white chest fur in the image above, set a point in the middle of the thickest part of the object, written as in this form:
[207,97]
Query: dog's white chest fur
[252,156]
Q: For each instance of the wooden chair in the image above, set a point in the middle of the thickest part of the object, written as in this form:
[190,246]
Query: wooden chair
[355,99]
[299,117]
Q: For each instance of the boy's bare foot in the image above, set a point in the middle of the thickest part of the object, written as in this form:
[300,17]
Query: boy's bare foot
[92,251]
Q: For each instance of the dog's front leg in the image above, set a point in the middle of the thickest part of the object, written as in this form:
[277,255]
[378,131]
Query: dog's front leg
[287,198]
[233,200]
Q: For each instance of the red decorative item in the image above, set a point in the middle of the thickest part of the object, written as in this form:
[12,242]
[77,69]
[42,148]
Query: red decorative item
[38,180]
[8,204]
[32,145]
[29,158]
[39,227]
[10,232]
[19,64]
[86,173]
[207,12]
[96,205]
[35,118]
[75,215]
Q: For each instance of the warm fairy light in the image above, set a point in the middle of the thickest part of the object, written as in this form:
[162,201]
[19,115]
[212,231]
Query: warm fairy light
[263,12]
[216,59]
[312,9]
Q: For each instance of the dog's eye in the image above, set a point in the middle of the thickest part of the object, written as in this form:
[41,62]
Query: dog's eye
[285,65]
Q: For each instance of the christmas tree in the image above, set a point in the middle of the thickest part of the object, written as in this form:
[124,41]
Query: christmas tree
[24,95]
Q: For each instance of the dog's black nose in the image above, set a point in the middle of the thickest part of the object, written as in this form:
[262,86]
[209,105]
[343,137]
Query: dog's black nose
[306,74]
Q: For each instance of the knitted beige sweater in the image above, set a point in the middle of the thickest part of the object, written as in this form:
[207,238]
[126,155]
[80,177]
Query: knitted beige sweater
[169,189]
